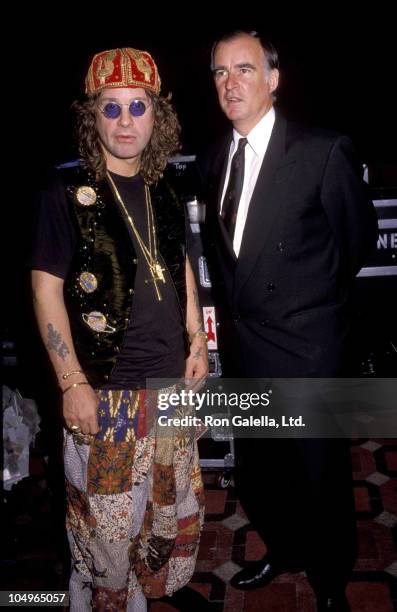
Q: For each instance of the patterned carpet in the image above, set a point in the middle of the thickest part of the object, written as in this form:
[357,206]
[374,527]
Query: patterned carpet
[228,542]
[31,546]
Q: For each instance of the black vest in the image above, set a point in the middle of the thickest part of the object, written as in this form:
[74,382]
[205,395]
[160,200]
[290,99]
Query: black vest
[99,286]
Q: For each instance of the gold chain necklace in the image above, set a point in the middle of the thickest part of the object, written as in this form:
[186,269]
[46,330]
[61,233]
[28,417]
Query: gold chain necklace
[150,254]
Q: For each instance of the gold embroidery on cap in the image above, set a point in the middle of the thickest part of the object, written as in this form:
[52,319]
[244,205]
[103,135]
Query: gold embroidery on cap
[106,67]
[142,64]
[86,195]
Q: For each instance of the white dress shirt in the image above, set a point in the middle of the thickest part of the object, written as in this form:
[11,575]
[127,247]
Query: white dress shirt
[254,152]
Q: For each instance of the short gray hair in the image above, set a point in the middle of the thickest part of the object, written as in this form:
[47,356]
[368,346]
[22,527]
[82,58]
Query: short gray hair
[270,52]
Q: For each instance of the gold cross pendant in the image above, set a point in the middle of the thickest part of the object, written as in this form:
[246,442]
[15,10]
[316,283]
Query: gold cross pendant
[157,272]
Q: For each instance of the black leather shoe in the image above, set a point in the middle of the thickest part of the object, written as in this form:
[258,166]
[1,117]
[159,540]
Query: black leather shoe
[337,603]
[258,574]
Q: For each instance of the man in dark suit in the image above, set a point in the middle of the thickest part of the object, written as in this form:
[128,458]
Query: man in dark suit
[289,226]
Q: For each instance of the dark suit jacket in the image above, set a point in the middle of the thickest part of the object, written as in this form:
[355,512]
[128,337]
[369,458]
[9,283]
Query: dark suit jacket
[309,229]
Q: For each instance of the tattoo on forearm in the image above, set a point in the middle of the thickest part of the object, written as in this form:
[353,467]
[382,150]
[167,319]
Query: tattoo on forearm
[56,343]
[196,299]
[198,353]
[199,319]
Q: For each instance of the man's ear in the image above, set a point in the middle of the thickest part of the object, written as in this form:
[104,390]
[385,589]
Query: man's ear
[273,79]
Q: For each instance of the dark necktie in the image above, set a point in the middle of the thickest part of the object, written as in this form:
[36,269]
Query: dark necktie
[234,189]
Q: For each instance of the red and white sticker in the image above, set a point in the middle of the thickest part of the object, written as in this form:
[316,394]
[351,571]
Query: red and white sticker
[210,327]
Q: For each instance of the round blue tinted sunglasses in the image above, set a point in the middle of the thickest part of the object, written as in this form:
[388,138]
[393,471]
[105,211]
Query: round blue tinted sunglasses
[112,110]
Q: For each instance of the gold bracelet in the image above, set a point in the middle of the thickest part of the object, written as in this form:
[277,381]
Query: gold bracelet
[67,374]
[199,334]
[74,386]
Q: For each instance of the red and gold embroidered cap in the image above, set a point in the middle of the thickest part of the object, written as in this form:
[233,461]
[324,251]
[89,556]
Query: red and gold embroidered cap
[122,68]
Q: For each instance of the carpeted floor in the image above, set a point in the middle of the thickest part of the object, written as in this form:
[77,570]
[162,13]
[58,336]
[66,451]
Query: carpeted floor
[33,552]
[228,542]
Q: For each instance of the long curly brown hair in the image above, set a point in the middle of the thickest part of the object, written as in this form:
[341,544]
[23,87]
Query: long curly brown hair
[163,142]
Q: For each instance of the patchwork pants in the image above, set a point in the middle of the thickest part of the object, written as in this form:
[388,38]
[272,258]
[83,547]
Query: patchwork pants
[134,507]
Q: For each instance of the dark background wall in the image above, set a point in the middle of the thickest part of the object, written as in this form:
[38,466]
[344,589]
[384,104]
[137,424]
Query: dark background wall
[336,71]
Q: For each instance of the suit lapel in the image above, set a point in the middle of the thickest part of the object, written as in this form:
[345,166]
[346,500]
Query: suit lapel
[227,243]
[262,209]
[224,156]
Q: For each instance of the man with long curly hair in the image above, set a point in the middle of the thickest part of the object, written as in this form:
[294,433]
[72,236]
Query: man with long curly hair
[116,304]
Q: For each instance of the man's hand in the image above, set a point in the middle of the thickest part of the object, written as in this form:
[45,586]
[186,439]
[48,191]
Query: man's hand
[79,402]
[80,409]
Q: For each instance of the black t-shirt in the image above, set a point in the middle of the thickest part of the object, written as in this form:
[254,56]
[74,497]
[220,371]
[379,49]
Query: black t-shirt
[153,344]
